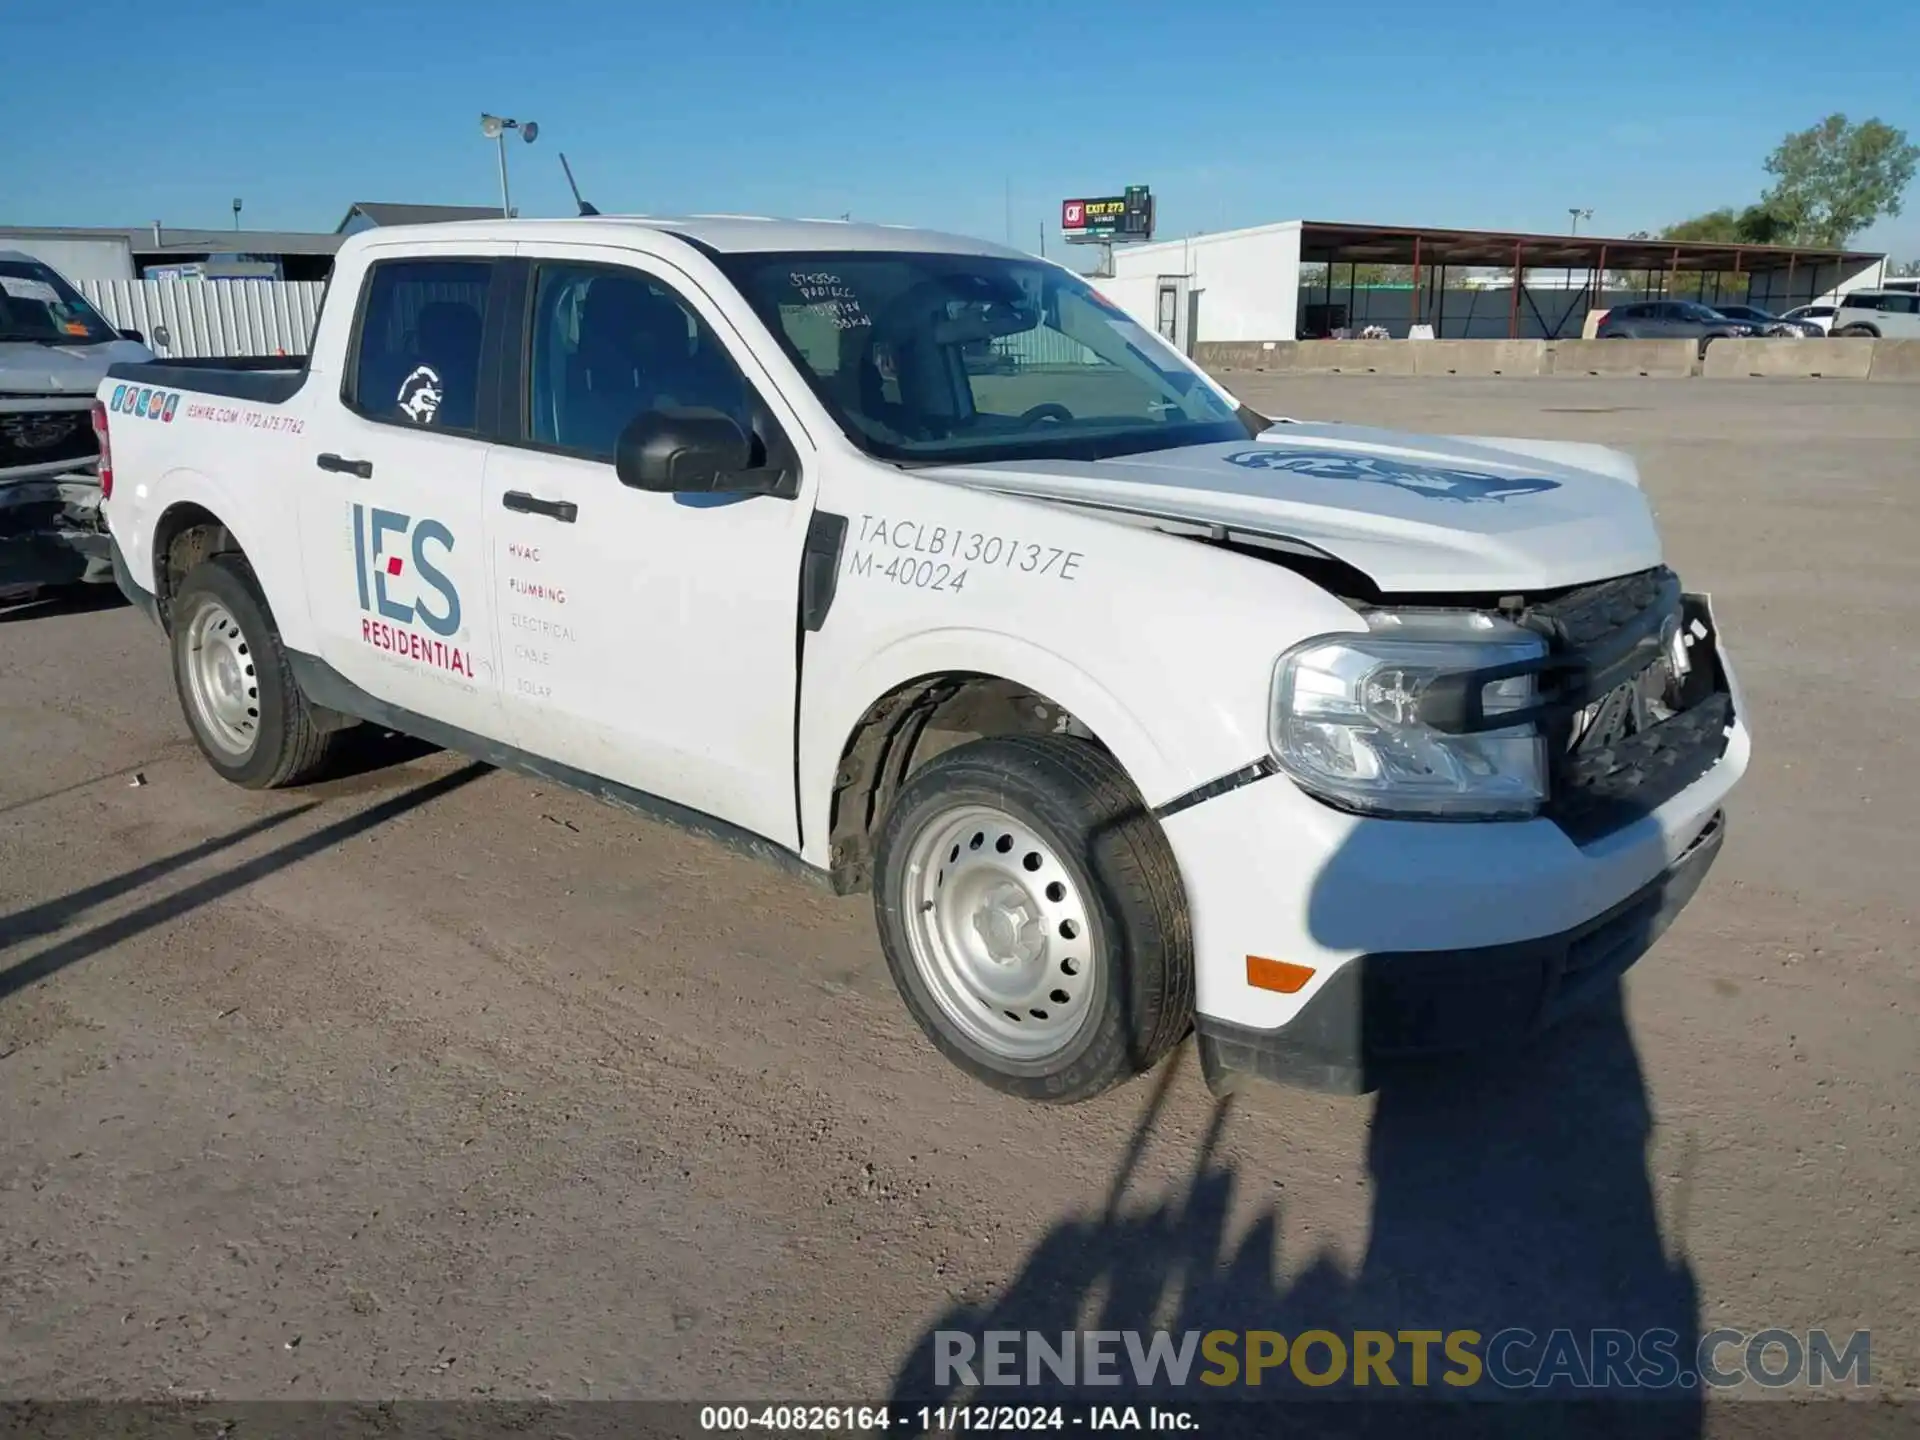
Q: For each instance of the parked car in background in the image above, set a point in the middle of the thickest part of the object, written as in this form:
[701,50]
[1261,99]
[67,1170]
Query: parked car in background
[1767,322]
[1889,314]
[1670,320]
[54,352]
[1820,317]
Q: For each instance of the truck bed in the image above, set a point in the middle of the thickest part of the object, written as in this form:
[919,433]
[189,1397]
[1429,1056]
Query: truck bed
[262,379]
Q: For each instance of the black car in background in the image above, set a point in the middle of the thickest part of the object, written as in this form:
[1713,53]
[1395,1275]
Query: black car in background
[1670,320]
[1767,322]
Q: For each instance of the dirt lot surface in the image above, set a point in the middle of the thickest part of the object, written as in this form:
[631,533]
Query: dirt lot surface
[433,1081]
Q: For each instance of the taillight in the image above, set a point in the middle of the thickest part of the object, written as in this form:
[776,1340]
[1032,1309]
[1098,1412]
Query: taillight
[106,449]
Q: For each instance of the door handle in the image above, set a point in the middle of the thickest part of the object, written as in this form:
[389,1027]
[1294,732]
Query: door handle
[565,511]
[362,468]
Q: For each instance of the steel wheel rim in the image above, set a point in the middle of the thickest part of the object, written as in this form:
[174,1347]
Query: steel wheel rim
[220,679]
[1000,933]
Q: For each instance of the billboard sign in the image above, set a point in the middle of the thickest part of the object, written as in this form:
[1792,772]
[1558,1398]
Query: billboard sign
[1109,217]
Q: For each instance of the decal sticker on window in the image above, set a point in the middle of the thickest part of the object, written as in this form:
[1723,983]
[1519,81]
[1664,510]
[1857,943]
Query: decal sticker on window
[420,394]
[21,287]
[1436,482]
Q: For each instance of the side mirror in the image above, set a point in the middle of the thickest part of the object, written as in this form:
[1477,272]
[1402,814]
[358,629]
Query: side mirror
[133,335]
[689,451]
[161,338]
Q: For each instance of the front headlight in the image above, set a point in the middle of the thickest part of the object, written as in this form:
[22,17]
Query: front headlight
[1346,724]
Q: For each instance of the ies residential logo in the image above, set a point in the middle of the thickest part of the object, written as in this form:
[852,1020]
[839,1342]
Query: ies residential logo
[399,559]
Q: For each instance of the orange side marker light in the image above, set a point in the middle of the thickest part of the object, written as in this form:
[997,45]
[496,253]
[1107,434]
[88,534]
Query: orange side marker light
[1281,975]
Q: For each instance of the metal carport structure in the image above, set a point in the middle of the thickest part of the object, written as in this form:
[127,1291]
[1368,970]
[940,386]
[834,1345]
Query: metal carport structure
[1767,275]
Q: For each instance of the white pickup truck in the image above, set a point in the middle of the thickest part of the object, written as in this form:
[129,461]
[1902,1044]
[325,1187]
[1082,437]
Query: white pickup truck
[913,564]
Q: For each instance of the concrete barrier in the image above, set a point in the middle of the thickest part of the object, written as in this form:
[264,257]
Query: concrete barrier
[1800,359]
[1894,360]
[1849,359]
[1622,357]
[1479,357]
[1246,354]
[1355,357]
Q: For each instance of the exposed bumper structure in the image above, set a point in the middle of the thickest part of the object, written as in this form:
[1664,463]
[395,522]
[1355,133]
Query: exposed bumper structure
[1404,938]
[51,533]
[1379,1008]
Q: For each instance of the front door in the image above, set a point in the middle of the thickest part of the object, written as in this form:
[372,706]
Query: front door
[648,639]
[391,508]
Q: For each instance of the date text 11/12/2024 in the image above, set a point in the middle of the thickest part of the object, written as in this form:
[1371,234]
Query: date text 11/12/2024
[1006,1419]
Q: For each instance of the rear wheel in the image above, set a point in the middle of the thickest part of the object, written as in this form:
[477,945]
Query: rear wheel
[1857,332]
[236,688]
[1032,916]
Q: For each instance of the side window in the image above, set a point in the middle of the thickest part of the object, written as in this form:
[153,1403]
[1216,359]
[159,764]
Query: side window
[417,356]
[611,344]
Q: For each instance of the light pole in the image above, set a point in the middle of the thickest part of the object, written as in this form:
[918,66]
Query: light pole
[495,128]
[1578,215]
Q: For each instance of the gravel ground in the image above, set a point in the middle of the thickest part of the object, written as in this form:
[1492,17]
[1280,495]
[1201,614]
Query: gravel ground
[435,1082]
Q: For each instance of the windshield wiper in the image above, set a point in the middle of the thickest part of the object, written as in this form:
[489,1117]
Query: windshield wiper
[7,339]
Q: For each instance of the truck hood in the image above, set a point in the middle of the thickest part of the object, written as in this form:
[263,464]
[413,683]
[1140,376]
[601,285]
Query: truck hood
[29,369]
[1412,512]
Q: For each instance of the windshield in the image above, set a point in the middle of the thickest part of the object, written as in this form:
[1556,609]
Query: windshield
[956,359]
[37,305]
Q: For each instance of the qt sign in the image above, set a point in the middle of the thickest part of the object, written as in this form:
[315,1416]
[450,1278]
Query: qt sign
[399,579]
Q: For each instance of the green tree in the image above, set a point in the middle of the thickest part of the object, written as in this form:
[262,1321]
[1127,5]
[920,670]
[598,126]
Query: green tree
[1834,179]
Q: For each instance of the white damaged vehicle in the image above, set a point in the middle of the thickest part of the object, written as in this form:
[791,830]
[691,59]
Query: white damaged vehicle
[54,347]
[911,563]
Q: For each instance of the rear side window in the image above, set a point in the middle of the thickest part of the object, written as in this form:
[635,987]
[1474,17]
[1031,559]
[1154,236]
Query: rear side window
[610,345]
[1857,301]
[416,359]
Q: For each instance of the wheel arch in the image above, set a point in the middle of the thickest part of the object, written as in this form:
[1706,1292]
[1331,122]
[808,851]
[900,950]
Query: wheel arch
[916,716]
[186,533]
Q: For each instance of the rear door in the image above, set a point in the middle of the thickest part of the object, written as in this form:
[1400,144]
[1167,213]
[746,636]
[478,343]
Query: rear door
[1900,316]
[650,639]
[390,510]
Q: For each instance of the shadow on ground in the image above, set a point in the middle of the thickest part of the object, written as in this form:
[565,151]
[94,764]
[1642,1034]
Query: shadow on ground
[45,603]
[1508,1191]
[24,925]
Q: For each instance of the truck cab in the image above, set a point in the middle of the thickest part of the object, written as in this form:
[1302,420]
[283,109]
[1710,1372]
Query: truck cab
[909,563]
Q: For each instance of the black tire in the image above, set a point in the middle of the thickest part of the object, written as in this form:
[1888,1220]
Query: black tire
[287,747]
[1857,332]
[1139,942]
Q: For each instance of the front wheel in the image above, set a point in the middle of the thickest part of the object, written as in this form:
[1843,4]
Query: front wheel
[1033,918]
[1857,332]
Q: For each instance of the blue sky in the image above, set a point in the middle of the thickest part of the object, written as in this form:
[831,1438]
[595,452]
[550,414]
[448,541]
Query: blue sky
[1499,115]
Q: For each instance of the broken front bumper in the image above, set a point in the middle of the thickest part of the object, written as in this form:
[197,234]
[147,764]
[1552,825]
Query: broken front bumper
[52,532]
[1400,1005]
[1401,938]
